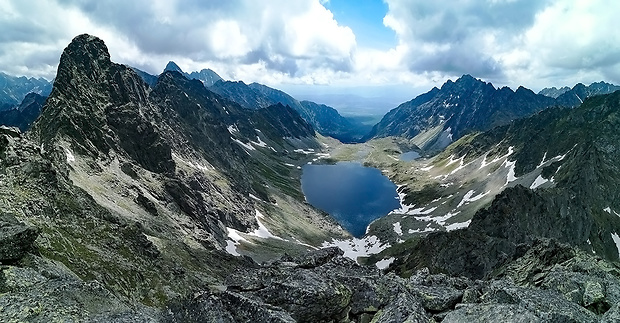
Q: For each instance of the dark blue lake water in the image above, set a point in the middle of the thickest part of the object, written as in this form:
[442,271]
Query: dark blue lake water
[409,156]
[354,195]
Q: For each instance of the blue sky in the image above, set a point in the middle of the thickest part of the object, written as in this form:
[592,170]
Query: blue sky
[391,48]
[365,18]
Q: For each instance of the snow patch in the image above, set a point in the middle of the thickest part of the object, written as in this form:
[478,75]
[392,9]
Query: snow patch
[233,129]
[262,231]
[195,165]
[456,226]
[426,169]
[452,160]
[441,220]
[538,181]
[426,229]
[542,162]
[496,159]
[421,211]
[305,152]
[616,240]
[236,237]
[580,100]
[382,264]
[354,248]
[397,228]
[246,146]
[70,156]
[409,209]
[231,248]
[259,142]
[511,171]
[468,197]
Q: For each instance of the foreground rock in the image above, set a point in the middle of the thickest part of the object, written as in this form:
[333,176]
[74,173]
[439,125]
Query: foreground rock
[325,287]
[41,290]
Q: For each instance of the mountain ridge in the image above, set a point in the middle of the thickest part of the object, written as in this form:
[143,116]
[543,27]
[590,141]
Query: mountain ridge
[566,155]
[325,120]
[444,115]
[207,76]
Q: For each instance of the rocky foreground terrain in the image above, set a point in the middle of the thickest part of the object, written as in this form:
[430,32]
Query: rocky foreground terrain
[550,282]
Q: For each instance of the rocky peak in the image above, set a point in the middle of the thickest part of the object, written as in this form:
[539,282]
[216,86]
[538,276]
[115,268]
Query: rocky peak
[87,89]
[467,79]
[31,98]
[172,66]
[554,92]
[523,90]
[466,85]
[207,76]
[85,55]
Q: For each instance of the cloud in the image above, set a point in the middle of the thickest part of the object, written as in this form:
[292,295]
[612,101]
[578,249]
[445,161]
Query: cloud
[460,37]
[532,42]
[289,37]
[535,43]
[287,34]
[585,40]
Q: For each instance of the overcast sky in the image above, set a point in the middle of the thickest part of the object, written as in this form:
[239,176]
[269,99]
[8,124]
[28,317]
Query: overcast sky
[312,44]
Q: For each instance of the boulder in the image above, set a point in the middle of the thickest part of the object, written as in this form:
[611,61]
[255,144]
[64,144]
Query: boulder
[16,238]
[404,308]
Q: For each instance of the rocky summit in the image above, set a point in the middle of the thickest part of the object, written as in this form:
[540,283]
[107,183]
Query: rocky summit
[129,201]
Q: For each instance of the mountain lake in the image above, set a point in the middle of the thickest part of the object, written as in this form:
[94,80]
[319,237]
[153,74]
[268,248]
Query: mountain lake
[352,194]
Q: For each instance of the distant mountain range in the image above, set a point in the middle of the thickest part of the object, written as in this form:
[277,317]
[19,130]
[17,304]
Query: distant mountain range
[14,89]
[580,92]
[439,117]
[554,92]
[206,76]
[325,120]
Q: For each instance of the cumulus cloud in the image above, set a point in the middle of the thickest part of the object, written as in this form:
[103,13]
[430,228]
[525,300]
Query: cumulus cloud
[509,41]
[289,37]
[459,37]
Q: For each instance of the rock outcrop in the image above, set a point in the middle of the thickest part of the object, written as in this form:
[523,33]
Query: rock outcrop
[551,282]
[16,239]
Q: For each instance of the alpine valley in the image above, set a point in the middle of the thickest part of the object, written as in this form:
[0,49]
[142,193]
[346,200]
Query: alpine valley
[131,197]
